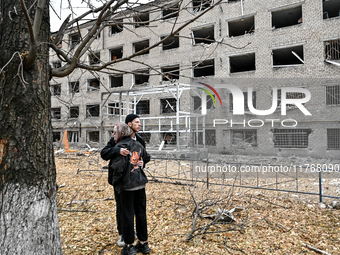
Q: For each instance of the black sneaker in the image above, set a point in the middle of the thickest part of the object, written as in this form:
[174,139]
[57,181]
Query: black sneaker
[143,248]
[129,250]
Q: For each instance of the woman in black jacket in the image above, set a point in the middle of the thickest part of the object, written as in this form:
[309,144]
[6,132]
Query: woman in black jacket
[129,181]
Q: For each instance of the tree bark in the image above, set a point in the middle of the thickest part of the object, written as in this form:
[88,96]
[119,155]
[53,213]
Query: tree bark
[28,206]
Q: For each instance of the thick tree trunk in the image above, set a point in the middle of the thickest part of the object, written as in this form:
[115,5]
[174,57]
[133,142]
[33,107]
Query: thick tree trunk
[28,206]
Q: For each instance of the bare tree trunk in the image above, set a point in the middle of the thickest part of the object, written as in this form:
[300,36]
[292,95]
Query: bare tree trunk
[28,207]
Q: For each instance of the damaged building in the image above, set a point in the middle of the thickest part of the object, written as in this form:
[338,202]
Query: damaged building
[252,44]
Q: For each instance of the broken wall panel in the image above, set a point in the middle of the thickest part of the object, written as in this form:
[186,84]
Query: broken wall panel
[242,26]
[287,17]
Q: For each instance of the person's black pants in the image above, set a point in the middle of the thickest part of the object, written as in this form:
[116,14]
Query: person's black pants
[118,213]
[133,203]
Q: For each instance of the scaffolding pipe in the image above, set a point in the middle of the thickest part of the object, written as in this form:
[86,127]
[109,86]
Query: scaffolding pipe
[242,6]
[177,117]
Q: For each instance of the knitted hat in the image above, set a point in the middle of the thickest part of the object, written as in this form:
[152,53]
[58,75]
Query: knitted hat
[130,117]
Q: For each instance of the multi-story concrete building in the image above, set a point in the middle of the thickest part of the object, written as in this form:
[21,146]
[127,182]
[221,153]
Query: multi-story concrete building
[254,44]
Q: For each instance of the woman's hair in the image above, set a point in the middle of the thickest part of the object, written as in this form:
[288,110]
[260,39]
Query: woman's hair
[122,130]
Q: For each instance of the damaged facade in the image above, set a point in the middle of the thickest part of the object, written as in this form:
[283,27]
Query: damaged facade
[284,43]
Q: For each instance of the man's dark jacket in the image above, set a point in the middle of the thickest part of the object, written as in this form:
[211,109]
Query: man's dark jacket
[124,172]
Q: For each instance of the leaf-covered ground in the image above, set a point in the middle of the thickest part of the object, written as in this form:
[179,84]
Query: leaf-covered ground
[271,222]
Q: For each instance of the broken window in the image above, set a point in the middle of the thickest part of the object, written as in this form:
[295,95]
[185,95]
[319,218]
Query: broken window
[201,5]
[241,26]
[116,28]
[56,64]
[288,56]
[287,17]
[291,138]
[143,107]
[168,105]
[73,87]
[93,136]
[289,95]
[56,89]
[94,58]
[56,136]
[170,12]
[116,81]
[210,137]
[204,68]
[244,137]
[74,40]
[331,8]
[74,112]
[145,136]
[245,95]
[332,49]
[56,113]
[73,136]
[197,102]
[116,53]
[204,35]
[142,77]
[242,63]
[93,85]
[169,138]
[113,108]
[140,46]
[141,20]
[333,139]
[92,110]
[170,43]
[333,95]
[170,73]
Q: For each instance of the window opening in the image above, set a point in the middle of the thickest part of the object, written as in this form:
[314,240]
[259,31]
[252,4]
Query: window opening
[116,53]
[74,112]
[288,56]
[93,136]
[289,95]
[56,89]
[169,138]
[139,46]
[331,8]
[333,139]
[168,105]
[170,12]
[170,73]
[94,58]
[73,136]
[245,95]
[210,137]
[242,63]
[170,43]
[205,68]
[291,138]
[93,85]
[332,49]
[244,137]
[201,5]
[75,39]
[287,17]
[56,64]
[146,136]
[333,95]
[56,136]
[143,107]
[241,26]
[142,77]
[204,35]
[92,110]
[113,108]
[141,20]
[116,28]
[74,87]
[116,81]
[56,113]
